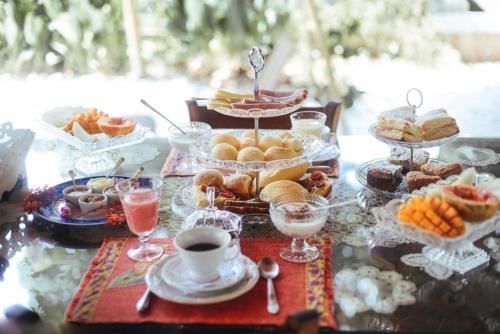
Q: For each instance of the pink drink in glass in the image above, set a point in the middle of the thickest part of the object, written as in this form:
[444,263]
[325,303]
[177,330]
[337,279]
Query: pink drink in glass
[141,210]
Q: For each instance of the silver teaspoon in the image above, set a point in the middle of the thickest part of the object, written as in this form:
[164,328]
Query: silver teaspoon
[143,302]
[269,269]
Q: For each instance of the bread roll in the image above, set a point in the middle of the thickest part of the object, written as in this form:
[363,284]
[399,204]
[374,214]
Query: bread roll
[200,198]
[250,154]
[294,144]
[239,184]
[291,174]
[285,135]
[247,142]
[265,142]
[224,151]
[278,153]
[225,138]
[278,188]
[209,178]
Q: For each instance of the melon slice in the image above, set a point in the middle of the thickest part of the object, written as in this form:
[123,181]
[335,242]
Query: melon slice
[474,204]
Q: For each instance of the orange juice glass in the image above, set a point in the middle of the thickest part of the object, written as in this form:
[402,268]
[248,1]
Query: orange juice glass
[140,199]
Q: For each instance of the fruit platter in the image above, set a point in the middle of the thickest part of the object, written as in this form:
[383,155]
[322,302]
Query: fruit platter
[91,130]
[447,217]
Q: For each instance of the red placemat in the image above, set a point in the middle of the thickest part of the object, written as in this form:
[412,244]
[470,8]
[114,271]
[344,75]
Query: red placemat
[175,159]
[113,284]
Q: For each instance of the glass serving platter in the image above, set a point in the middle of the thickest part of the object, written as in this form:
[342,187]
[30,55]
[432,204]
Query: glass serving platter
[182,203]
[312,146]
[258,113]
[54,119]
[362,171]
[459,253]
[423,144]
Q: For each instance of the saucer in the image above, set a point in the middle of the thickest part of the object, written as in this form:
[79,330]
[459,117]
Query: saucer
[175,273]
[166,291]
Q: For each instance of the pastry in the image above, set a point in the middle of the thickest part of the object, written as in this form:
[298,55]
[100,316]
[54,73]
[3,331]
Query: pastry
[294,144]
[265,142]
[224,151]
[99,184]
[404,113]
[245,207]
[442,170]
[401,157]
[225,138]
[290,173]
[417,180]
[250,154]
[436,124]
[432,214]
[279,153]
[318,183]
[239,184]
[278,188]
[116,126]
[385,177]
[210,178]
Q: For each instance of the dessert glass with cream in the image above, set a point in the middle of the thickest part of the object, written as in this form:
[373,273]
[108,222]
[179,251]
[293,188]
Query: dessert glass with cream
[308,123]
[296,215]
[193,131]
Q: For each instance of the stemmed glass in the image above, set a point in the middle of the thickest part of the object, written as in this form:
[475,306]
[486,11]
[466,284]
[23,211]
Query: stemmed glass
[296,215]
[194,131]
[140,199]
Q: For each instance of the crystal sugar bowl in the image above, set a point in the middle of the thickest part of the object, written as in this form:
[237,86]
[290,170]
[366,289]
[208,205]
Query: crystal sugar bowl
[214,217]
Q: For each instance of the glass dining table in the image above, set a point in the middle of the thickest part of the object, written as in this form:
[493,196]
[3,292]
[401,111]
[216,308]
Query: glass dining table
[42,264]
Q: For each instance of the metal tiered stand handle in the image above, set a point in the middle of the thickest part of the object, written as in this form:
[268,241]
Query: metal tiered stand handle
[414,113]
[256,61]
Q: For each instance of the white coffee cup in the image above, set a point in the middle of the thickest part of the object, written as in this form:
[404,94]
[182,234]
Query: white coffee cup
[194,249]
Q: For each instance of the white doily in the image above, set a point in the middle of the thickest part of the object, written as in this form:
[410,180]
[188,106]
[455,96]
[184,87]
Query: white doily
[432,269]
[367,288]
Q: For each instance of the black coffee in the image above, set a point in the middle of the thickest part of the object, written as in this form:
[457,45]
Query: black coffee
[202,246]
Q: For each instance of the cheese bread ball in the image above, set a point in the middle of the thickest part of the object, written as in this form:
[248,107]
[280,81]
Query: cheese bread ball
[224,151]
[225,138]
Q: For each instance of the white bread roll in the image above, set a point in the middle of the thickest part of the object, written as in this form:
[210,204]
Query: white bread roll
[278,153]
[248,134]
[278,188]
[225,138]
[224,151]
[265,142]
[250,154]
[291,174]
[247,142]
[285,135]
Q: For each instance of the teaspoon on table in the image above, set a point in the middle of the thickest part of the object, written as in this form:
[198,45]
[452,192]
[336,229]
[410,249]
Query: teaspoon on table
[270,269]
[143,302]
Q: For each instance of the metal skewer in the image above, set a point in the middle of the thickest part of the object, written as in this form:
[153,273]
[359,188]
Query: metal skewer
[161,115]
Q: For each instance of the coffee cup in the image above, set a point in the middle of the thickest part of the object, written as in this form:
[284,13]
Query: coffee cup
[202,250]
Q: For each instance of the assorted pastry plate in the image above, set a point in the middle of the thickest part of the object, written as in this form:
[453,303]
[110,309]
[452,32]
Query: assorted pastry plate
[232,285]
[91,194]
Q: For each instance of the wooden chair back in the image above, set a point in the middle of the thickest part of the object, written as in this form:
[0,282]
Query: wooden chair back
[198,112]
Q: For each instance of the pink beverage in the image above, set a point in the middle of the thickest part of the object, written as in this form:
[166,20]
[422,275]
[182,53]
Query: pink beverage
[141,210]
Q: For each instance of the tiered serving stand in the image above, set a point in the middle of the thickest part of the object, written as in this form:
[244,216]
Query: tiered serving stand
[362,171]
[202,150]
[458,254]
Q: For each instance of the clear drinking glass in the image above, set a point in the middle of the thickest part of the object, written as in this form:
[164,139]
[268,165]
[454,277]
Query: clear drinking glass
[194,131]
[308,123]
[296,215]
[141,202]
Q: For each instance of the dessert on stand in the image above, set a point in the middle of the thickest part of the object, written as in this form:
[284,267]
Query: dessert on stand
[409,167]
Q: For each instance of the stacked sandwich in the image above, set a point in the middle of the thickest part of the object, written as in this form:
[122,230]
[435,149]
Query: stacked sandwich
[402,124]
